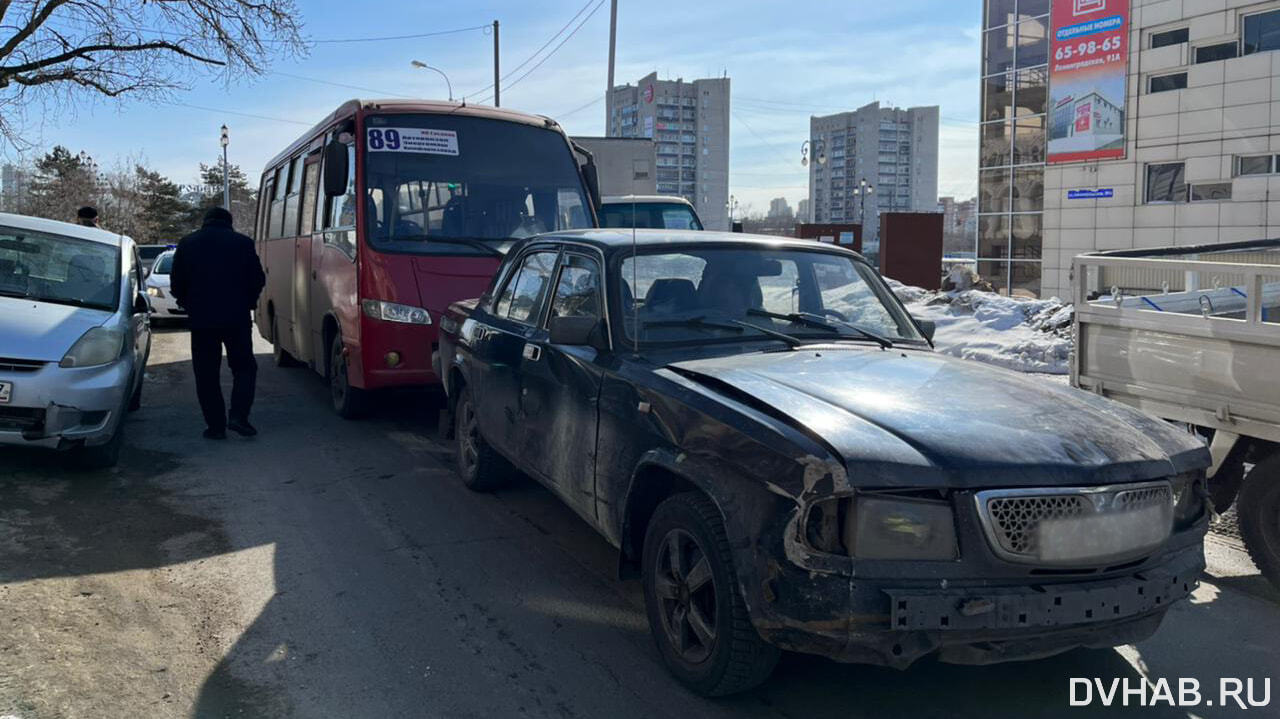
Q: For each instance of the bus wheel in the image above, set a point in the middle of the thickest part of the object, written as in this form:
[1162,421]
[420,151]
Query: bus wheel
[349,402]
[279,355]
[1259,509]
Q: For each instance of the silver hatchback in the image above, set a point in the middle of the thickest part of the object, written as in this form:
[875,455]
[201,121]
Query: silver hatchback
[74,337]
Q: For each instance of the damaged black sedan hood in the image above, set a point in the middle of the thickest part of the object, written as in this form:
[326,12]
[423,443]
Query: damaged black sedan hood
[909,417]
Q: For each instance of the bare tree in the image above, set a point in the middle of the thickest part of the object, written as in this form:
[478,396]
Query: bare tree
[57,49]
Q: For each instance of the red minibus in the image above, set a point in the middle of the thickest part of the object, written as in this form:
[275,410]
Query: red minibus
[372,223]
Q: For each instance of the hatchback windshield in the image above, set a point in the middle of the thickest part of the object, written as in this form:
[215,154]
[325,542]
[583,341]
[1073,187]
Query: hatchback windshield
[659,215]
[63,270]
[466,182]
[699,295]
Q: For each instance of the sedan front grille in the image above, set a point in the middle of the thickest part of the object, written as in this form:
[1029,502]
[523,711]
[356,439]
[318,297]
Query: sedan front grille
[19,365]
[1076,526]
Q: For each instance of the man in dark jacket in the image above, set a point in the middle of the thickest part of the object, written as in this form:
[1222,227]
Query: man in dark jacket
[216,277]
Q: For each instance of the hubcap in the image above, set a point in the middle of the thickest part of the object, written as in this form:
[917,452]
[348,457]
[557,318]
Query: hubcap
[467,429]
[686,591]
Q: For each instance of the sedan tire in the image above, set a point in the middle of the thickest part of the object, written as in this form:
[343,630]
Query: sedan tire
[481,467]
[697,616]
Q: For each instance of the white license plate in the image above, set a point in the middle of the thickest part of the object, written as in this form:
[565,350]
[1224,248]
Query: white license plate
[6,392]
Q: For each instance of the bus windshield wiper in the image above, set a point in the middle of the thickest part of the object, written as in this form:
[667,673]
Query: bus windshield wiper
[731,325]
[474,243]
[811,320]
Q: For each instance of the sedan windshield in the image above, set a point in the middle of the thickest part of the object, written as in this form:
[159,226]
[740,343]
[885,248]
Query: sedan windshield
[445,184]
[62,270]
[164,265]
[715,295]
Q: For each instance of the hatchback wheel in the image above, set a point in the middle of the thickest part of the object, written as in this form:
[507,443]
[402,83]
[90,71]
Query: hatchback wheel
[480,466]
[697,616]
[349,402]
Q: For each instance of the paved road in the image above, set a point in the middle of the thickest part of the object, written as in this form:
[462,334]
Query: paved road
[338,569]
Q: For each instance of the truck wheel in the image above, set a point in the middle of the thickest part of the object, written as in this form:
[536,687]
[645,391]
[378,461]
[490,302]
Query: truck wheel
[479,464]
[696,612]
[279,356]
[1258,507]
[349,402]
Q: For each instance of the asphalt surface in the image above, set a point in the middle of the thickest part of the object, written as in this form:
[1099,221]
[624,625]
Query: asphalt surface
[338,569]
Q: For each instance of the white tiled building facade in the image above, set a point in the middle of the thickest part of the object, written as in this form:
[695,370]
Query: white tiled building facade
[1201,118]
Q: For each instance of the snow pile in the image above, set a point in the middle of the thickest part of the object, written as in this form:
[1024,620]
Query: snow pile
[1021,334]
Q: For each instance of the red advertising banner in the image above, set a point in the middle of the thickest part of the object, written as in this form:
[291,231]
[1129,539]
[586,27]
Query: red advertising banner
[1088,64]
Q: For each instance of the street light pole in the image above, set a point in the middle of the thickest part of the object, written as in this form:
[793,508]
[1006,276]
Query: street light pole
[497,102]
[425,66]
[226,170]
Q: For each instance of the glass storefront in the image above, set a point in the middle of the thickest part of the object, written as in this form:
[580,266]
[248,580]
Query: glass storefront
[1015,52]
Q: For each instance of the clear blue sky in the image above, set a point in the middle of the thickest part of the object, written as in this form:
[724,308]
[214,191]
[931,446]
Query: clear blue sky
[787,60]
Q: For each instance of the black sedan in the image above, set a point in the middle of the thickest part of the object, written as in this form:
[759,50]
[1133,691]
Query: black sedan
[771,442]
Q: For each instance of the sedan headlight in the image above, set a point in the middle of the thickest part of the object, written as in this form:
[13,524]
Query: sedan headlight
[155,292]
[96,347]
[905,528]
[392,312]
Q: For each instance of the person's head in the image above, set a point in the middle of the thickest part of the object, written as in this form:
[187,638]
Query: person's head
[217,215]
[87,216]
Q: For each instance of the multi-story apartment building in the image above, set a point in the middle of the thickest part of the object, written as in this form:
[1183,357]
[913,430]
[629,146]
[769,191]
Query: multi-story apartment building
[13,187]
[689,124]
[891,151]
[959,223]
[1199,138]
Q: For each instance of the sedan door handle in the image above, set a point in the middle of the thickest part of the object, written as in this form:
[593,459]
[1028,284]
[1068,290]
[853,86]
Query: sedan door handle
[532,352]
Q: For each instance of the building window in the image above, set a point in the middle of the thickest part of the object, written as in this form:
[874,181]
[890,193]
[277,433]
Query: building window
[1211,192]
[1169,37]
[1164,83]
[1213,53]
[1262,32]
[1256,165]
[1166,183]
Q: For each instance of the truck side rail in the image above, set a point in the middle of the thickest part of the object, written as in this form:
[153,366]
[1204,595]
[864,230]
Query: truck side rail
[1185,333]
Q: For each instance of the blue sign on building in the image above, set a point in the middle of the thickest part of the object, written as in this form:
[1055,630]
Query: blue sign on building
[1090,194]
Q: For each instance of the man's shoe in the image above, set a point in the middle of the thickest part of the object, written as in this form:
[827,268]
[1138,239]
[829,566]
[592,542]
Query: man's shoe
[215,433]
[241,427]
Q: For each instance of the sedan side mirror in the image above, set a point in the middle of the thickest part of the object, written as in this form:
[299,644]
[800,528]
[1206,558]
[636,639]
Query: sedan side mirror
[927,327]
[582,331]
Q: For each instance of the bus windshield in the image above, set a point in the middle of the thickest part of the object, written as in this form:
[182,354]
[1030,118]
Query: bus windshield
[445,184]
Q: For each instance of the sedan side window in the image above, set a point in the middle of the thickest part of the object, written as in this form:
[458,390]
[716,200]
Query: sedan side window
[578,291]
[526,290]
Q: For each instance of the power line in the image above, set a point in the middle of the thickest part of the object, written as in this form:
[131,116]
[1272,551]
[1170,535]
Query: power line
[339,84]
[529,59]
[241,114]
[548,56]
[269,41]
[576,110]
[401,37]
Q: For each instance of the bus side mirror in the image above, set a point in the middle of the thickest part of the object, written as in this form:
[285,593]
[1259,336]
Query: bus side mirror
[592,177]
[335,169]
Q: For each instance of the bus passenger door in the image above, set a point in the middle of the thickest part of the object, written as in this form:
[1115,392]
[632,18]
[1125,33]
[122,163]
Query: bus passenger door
[304,267]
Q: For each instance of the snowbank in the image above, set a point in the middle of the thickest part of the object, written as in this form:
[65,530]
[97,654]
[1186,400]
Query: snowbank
[1021,334]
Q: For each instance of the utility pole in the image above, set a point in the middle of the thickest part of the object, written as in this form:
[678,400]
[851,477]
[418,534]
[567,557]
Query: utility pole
[496,101]
[613,46]
[226,170]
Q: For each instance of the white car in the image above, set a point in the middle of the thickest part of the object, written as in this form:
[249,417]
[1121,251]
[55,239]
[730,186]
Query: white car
[163,305]
[75,333]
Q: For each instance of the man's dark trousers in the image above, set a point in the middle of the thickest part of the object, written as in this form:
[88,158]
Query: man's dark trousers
[206,361]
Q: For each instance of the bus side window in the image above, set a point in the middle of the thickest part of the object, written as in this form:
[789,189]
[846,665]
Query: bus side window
[277,202]
[310,179]
[264,204]
[293,198]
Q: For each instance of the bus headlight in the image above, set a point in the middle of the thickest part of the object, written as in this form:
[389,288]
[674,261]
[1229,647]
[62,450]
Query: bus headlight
[392,312]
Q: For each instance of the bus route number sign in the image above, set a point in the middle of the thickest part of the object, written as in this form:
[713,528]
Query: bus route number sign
[419,140]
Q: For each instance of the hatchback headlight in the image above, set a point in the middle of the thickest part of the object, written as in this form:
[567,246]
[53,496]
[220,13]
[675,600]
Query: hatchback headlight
[96,347]
[392,312]
[904,528]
